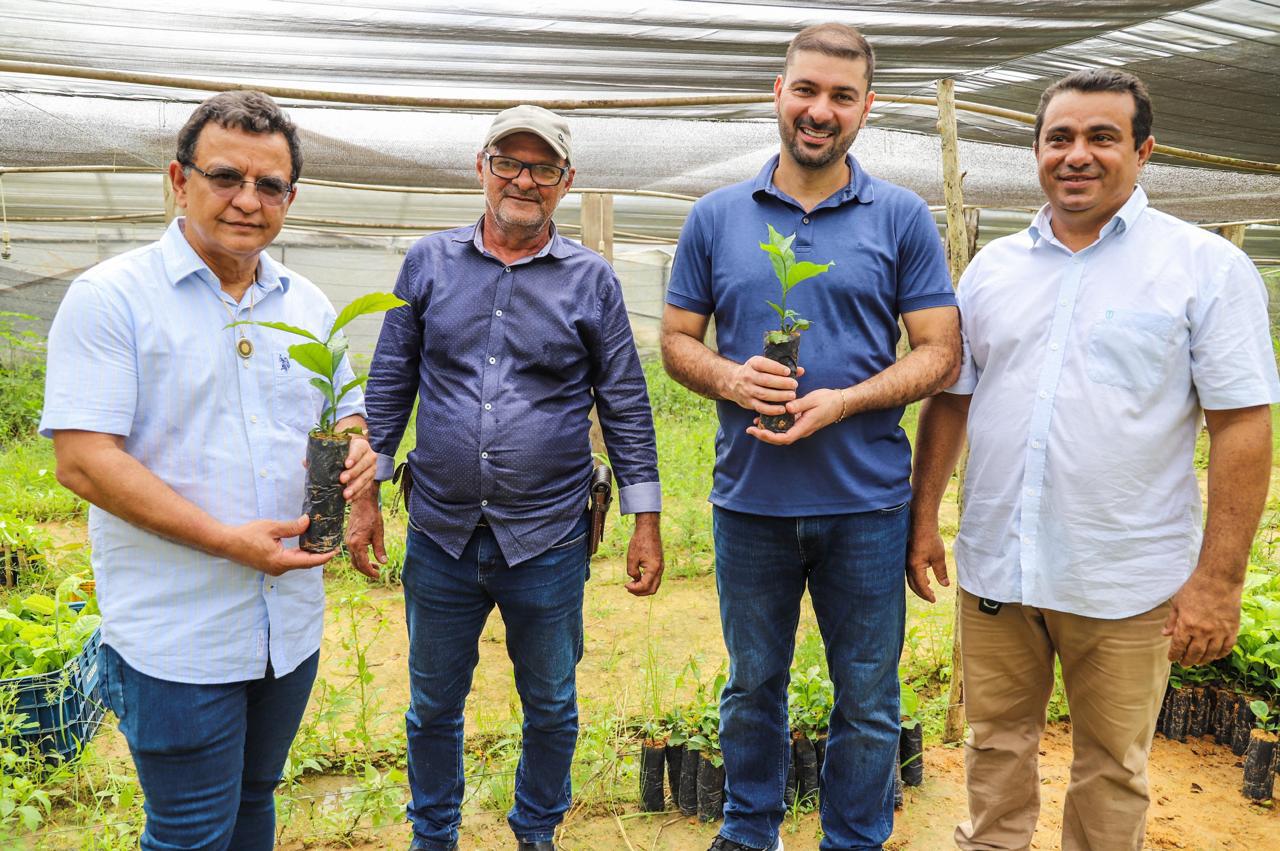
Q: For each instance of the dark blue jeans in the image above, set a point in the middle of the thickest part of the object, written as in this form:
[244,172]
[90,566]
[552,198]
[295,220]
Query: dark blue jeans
[448,601]
[854,567]
[208,756]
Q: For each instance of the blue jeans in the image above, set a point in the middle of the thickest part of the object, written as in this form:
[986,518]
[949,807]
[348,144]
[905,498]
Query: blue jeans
[208,756]
[447,602]
[854,567]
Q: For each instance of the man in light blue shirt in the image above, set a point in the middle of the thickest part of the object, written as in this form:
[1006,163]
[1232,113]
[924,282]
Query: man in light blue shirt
[187,436]
[1094,341]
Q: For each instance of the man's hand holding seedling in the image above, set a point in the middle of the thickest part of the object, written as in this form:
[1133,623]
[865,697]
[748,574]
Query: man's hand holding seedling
[762,385]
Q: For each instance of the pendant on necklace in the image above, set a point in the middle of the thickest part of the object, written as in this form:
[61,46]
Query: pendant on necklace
[244,348]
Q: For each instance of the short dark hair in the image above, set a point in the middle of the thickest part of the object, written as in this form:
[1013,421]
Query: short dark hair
[1103,80]
[839,40]
[252,112]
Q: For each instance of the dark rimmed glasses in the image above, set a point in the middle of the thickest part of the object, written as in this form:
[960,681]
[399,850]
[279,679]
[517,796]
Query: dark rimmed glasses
[226,182]
[509,168]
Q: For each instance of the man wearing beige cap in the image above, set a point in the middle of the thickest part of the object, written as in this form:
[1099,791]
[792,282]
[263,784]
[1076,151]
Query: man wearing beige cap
[513,334]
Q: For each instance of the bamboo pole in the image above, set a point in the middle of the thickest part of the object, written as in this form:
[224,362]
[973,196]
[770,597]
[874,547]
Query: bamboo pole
[957,259]
[563,104]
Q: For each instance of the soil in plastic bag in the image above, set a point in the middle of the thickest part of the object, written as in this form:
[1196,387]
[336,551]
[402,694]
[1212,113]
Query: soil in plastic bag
[786,354]
[322,500]
[688,798]
[1259,756]
[653,763]
[710,790]
[806,760]
[911,755]
[675,756]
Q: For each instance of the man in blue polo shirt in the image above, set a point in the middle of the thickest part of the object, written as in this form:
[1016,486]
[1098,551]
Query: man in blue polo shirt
[824,503]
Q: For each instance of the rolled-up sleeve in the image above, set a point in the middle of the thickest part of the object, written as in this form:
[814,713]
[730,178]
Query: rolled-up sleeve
[393,373]
[622,400]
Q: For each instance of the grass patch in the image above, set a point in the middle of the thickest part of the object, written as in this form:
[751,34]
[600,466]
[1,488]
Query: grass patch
[28,486]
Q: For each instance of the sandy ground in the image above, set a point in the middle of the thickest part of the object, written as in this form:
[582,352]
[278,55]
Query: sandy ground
[1196,799]
[1195,786]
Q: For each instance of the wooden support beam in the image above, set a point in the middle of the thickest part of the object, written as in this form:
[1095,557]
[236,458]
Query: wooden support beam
[960,246]
[597,224]
[1233,233]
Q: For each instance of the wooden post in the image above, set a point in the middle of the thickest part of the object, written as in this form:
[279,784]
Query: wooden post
[1233,233]
[597,234]
[170,201]
[597,224]
[958,254]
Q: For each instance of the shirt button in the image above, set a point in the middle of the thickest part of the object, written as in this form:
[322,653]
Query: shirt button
[1035,444]
[1044,394]
[253,418]
[805,220]
[1062,303]
[1054,346]
[484,454]
[245,364]
[484,503]
[488,407]
[493,360]
[262,473]
[1030,491]
[497,313]
[507,269]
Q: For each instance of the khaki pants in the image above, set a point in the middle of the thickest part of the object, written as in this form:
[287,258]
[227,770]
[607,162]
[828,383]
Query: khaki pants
[1115,673]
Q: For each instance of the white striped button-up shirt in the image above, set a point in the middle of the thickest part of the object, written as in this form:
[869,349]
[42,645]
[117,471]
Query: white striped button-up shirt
[1088,372]
[139,348]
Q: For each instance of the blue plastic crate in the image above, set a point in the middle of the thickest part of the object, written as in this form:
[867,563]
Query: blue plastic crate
[64,708]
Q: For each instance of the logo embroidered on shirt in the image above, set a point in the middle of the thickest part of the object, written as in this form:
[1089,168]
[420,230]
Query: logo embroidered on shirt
[284,363]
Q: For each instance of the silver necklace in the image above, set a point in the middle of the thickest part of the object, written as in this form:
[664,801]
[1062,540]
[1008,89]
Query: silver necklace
[244,346]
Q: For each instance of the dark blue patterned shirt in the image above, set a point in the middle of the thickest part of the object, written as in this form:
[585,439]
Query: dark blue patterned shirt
[506,362]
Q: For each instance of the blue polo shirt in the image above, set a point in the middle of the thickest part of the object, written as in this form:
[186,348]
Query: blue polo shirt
[888,261]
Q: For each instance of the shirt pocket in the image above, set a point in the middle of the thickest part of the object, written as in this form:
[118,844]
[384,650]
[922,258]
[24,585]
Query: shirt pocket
[295,401]
[1130,349]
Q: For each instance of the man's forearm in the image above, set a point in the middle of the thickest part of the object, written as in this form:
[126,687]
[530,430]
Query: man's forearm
[691,363]
[96,468]
[1239,474]
[940,437]
[923,372]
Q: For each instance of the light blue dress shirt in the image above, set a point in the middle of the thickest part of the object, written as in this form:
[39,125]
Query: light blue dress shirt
[139,348]
[1089,371]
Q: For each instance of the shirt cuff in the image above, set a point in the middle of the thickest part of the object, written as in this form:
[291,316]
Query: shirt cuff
[641,498]
[385,469]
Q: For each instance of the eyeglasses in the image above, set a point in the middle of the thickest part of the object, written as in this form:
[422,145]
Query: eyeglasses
[226,182]
[509,168]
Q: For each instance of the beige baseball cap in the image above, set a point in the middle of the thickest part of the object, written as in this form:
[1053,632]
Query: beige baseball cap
[527,118]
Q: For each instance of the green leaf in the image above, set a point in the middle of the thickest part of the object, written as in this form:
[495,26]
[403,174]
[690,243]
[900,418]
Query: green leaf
[365,304]
[325,387]
[313,356]
[779,270]
[775,238]
[772,249]
[280,326]
[803,271]
[1260,709]
[782,315]
[337,348]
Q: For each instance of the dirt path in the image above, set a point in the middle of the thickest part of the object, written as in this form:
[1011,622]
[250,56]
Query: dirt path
[1196,806]
[1195,786]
